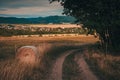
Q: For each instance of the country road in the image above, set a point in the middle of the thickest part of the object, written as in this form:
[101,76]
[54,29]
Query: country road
[56,71]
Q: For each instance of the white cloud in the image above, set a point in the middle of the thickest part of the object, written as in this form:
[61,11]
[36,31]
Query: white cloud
[30,7]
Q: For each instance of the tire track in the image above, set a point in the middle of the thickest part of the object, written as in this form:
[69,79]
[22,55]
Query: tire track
[86,73]
[56,71]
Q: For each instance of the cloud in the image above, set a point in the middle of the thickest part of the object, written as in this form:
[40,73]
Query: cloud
[22,3]
[29,7]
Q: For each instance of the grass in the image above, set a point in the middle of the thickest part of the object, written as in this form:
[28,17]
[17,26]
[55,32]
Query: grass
[50,49]
[107,67]
[12,70]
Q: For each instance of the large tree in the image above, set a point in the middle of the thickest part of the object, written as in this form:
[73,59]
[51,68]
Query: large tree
[100,15]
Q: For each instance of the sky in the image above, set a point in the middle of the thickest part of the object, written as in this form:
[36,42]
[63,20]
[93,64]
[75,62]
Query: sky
[29,8]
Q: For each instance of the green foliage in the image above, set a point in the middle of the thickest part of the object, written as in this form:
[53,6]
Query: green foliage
[101,15]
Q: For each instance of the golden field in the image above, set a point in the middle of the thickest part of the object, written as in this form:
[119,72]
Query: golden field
[51,48]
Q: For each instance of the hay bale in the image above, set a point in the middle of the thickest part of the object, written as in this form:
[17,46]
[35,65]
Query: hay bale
[27,54]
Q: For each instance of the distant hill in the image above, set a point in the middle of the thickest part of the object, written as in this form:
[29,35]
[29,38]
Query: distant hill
[39,20]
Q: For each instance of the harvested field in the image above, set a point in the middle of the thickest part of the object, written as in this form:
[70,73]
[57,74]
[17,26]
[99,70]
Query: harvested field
[48,50]
[9,45]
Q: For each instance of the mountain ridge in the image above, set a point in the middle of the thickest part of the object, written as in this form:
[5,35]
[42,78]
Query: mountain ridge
[38,20]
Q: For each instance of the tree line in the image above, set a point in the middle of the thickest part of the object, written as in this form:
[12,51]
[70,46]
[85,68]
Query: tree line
[13,32]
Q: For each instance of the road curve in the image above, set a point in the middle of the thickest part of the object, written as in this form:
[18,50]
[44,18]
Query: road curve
[56,71]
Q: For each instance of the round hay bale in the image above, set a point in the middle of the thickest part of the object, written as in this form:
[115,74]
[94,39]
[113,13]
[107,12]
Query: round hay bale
[27,54]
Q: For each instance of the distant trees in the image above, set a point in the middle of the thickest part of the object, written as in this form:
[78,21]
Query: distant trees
[4,32]
[100,15]
[40,31]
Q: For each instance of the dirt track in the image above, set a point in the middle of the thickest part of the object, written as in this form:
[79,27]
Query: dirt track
[56,72]
[86,73]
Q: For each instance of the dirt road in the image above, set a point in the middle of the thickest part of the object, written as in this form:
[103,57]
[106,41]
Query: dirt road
[86,73]
[56,71]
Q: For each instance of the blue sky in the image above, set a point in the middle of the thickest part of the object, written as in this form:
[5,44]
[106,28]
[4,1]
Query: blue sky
[29,8]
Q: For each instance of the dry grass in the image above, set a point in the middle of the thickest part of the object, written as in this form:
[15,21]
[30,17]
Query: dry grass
[49,49]
[14,69]
[106,67]
[9,45]
[80,38]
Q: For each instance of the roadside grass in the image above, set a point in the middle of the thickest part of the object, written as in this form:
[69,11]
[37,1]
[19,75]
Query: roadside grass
[106,67]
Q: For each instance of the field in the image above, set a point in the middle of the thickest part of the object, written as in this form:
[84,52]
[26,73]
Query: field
[51,47]
[50,50]
[9,45]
